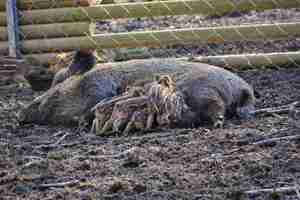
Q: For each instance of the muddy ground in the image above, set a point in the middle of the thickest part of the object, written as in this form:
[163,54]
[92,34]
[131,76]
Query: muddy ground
[44,162]
[170,164]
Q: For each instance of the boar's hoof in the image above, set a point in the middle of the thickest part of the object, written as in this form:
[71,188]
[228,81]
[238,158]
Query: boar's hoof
[219,123]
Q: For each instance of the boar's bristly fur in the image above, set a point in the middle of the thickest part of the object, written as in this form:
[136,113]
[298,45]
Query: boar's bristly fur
[209,91]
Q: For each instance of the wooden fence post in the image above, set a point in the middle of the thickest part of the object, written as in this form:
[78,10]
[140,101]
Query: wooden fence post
[13,28]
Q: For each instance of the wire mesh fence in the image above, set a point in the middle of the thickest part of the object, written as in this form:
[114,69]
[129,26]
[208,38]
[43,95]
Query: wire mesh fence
[190,28]
[229,33]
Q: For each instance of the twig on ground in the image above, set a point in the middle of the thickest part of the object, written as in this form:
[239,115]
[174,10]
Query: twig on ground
[61,139]
[272,111]
[225,155]
[62,184]
[95,140]
[270,190]
[274,140]
[60,145]
[71,144]
[83,157]
[33,157]
[153,134]
[162,134]
[31,163]
[276,110]
[120,155]
[276,115]
[58,133]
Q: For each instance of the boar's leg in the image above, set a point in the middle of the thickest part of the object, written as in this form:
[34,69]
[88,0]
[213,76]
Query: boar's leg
[245,109]
[119,124]
[130,126]
[219,122]
[95,126]
[216,112]
[208,105]
[108,126]
[137,122]
[150,121]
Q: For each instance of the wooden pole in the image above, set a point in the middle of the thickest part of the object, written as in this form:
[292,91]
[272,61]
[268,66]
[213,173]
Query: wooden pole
[149,9]
[13,28]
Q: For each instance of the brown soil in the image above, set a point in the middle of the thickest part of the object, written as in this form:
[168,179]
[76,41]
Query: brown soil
[170,164]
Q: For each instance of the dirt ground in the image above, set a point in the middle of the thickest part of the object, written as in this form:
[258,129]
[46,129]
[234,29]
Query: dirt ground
[44,162]
[170,164]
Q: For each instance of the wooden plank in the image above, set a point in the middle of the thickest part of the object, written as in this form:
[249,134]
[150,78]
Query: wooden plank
[13,28]
[45,4]
[49,30]
[55,30]
[217,35]
[252,61]
[149,9]
[234,62]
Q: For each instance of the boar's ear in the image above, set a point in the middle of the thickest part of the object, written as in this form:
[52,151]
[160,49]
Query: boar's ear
[157,77]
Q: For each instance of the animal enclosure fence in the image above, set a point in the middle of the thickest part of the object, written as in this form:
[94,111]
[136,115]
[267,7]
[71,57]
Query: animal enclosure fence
[38,29]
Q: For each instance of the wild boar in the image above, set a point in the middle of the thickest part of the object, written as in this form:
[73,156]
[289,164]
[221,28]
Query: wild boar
[210,92]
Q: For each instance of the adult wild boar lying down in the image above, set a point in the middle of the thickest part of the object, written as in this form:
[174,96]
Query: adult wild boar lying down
[209,91]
